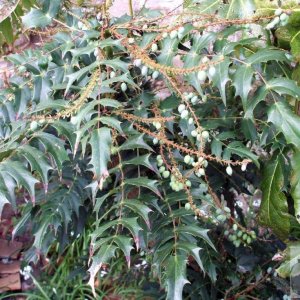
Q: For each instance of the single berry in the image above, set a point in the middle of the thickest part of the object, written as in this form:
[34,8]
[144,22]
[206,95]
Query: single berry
[284,17]
[181,30]
[205,60]
[205,134]
[166,174]
[144,70]
[155,74]
[229,170]
[33,125]
[159,162]
[187,159]
[157,125]
[173,34]
[191,121]
[202,75]
[162,169]
[131,41]
[112,74]
[96,52]
[194,133]
[195,100]
[154,47]
[22,69]
[187,206]
[276,20]
[184,114]
[212,71]
[188,183]
[138,62]
[124,87]
[181,108]
[234,227]
[278,12]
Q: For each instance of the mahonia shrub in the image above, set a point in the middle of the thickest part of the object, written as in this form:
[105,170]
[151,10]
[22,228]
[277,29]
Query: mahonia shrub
[173,134]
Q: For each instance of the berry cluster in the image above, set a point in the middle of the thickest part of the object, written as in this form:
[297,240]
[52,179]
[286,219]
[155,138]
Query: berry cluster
[144,69]
[240,236]
[162,169]
[280,19]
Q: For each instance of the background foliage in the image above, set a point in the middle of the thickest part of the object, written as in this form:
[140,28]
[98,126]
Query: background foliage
[172,188]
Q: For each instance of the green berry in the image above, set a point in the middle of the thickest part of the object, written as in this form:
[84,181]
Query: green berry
[138,62]
[160,162]
[239,233]
[112,74]
[165,35]
[218,211]
[131,40]
[278,12]
[181,30]
[205,60]
[187,159]
[194,100]
[181,108]
[154,47]
[123,87]
[162,169]
[212,71]
[202,75]
[249,240]
[173,34]
[191,121]
[155,141]
[221,218]
[229,170]
[276,20]
[188,183]
[22,69]
[155,75]
[166,174]
[190,95]
[33,125]
[284,17]
[234,227]
[270,25]
[205,134]
[113,150]
[226,232]
[227,209]
[194,133]
[245,236]
[184,114]
[144,70]
[180,185]
[244,167]
[158,157]
[187,206]
[157,125]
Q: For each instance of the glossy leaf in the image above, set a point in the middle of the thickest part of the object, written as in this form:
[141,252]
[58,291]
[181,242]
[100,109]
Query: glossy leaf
[100,142]
[274,210]
[176,276]
[286,122]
